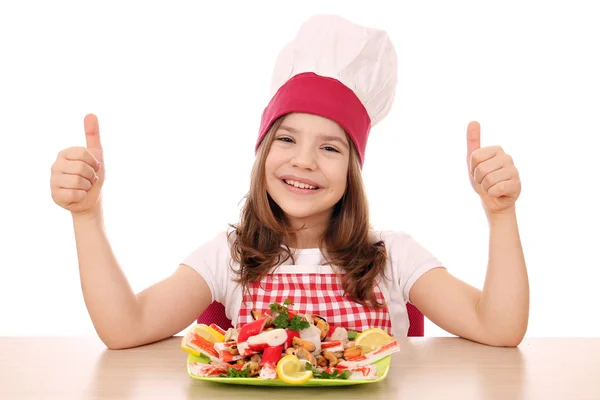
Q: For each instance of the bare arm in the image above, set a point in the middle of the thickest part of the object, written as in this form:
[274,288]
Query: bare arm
[121,318]
[499,314]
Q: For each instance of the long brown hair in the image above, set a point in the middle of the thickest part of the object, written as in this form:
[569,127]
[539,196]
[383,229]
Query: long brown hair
[261,237]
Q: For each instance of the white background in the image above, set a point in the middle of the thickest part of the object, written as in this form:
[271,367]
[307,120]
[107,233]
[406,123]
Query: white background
[179,88]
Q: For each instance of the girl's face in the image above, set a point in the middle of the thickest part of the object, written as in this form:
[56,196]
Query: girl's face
[307,166]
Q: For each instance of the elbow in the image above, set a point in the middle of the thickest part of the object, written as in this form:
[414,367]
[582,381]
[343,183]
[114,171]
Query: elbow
[112,344]
[508,339]
[124,341]
[117,343]
[513,341]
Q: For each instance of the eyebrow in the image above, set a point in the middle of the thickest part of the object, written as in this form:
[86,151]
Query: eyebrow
[328,138]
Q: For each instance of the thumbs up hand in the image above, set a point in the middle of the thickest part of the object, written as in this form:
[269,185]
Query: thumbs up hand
[77,175]
[492,173]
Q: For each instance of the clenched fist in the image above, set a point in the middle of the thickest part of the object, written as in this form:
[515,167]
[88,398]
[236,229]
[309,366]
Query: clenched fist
[492,173]
[78,172]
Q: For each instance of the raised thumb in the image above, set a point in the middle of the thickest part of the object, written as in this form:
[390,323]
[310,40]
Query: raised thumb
[473,138]
[92,136]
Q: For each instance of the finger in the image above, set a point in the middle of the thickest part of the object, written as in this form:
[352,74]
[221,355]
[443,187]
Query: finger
[92,135]
[65,181]
[473,138]
[505,188]
[69,196]
[64,166]
[490,165]
[80,154]
[493,178]
[483,154]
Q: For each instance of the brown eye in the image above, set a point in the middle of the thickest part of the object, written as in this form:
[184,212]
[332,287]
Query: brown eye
[329,148]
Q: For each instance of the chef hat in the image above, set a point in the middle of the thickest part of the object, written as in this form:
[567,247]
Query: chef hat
[336,69]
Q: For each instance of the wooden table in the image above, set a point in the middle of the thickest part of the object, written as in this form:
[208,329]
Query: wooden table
[426,368]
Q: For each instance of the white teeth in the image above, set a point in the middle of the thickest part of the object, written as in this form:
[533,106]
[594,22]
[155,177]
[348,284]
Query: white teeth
[299,184]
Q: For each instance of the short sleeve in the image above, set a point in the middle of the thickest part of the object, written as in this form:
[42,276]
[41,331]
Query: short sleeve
[419,260]
[211,261]
[410,260]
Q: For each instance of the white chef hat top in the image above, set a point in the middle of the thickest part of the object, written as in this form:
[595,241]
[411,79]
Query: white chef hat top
[362,59]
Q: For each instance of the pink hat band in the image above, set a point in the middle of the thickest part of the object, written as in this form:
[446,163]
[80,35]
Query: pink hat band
[327,97]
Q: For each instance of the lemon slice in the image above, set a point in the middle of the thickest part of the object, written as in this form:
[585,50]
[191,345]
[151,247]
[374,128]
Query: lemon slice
[208,333]
[372,339]
[185,347]
[188,349]
[291,370]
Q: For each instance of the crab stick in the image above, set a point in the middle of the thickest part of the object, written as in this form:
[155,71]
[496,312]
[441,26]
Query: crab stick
[218,329]
[200,344]
[251,329]
[271,355]
[372,357]
[333,346]
[200,369]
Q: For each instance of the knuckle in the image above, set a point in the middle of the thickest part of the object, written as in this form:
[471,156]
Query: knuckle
[83,183]
[71,152]
[58,166]
[63,153]
[480,174]
[82,152]
[487,182]
[500,187]
[81,169]
[55,179]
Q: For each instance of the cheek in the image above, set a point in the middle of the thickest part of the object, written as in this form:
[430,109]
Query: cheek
[342,185]
[339,178]
[270,165]
[273,161]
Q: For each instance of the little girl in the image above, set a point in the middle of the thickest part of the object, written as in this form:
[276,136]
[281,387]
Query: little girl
[304,231]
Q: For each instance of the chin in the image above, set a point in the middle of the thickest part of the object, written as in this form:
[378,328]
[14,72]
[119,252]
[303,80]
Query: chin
[299,213]
[301,210]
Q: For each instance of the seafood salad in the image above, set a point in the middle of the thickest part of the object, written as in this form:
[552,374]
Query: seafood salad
[293,347]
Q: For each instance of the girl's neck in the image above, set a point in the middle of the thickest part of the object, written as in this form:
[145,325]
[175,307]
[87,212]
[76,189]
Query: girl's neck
[310,234]
[305,239]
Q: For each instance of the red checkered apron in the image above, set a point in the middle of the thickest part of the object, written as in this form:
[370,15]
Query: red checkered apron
[314,290]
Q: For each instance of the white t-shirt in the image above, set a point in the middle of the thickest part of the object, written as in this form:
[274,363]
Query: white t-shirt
[407,261]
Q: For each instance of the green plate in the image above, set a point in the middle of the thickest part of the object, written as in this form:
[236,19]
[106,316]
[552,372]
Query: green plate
[382,365]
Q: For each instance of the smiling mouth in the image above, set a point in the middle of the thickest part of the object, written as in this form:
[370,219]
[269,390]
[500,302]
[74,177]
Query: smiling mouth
[299,185]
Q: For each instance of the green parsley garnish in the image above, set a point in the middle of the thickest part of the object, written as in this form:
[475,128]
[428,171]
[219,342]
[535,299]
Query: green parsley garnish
[234,373]
[282,318]
[336,374]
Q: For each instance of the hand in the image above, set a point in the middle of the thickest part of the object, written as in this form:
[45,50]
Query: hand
[492,173]
[77,175]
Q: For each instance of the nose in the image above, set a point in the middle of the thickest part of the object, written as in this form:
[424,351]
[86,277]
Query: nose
[304,158]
